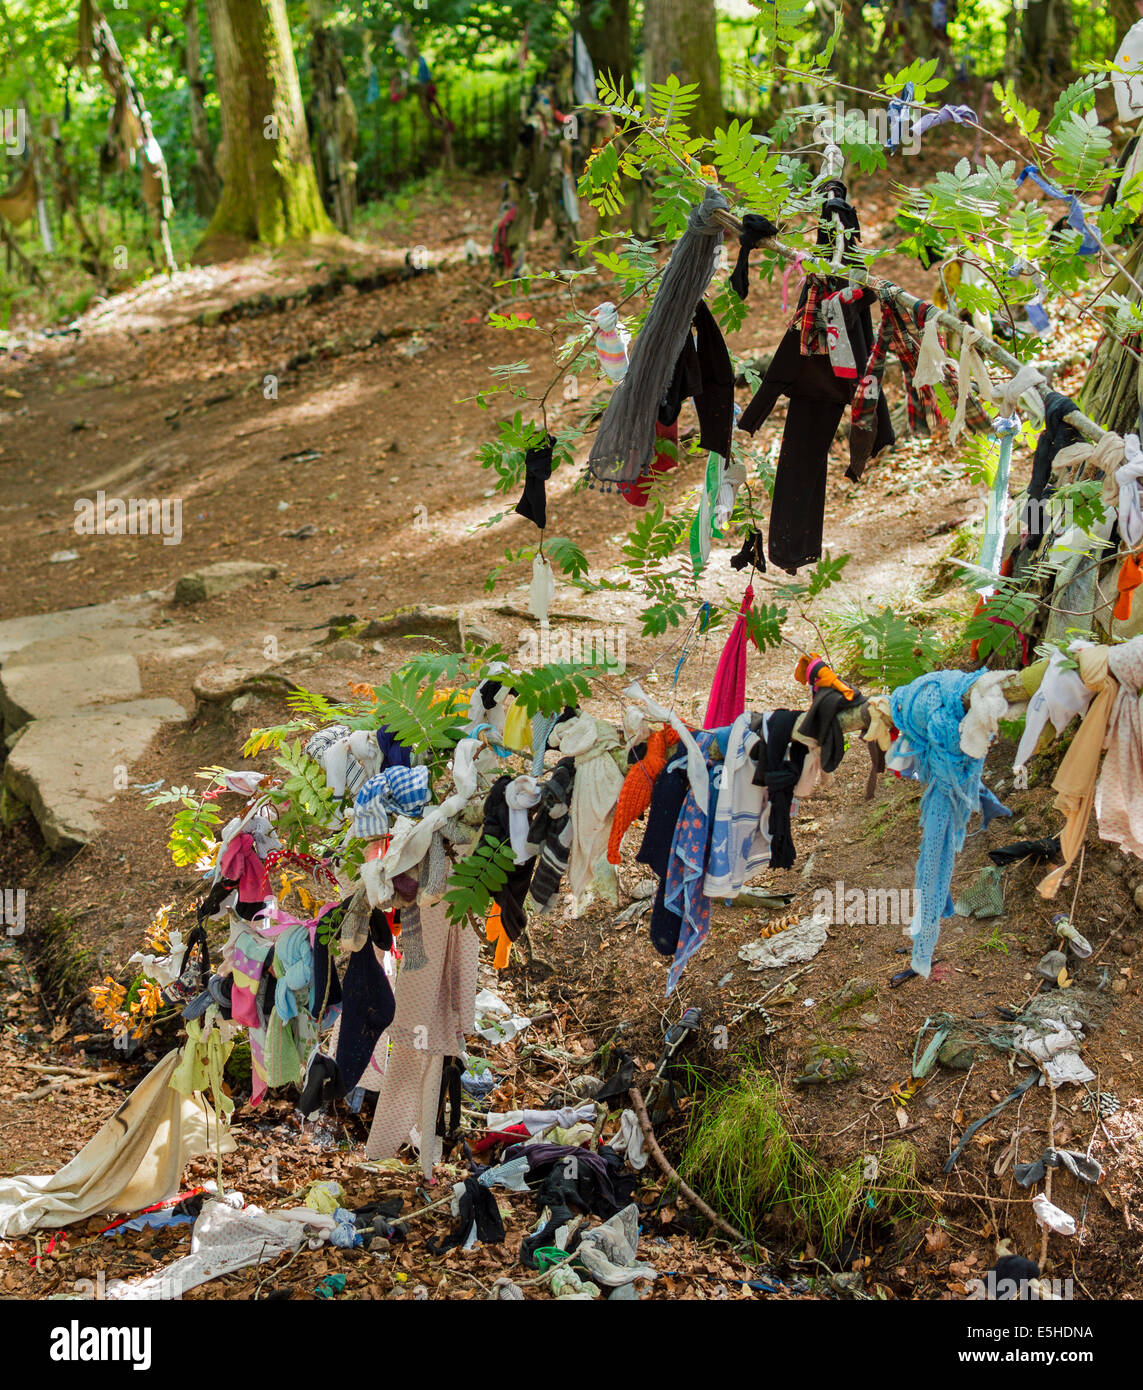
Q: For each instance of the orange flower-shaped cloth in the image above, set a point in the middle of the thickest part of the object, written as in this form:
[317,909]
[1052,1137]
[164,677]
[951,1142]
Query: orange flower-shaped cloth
[635,794]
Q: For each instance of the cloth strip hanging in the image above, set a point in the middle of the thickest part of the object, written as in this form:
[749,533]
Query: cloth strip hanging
[624,442]
[1091,243]
[1005,428]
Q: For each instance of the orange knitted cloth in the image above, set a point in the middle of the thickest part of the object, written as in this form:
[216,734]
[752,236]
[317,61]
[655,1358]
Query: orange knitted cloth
[635,794]
[1130,577]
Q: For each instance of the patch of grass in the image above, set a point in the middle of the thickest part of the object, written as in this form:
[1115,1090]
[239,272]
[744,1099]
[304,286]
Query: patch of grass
[884,814]
[741,1155]
[993,942]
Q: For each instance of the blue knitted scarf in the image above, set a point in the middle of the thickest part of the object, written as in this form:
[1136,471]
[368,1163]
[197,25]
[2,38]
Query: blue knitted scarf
[928,712]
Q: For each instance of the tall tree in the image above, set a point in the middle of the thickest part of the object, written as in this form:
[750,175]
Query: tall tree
[269,189]
[204,176]
[681,37]
[606,29]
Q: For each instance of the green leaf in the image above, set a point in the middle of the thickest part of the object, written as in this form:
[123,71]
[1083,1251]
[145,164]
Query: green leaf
[474,880]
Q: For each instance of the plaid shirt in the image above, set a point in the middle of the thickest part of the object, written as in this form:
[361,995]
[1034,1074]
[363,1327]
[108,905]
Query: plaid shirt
[896,335]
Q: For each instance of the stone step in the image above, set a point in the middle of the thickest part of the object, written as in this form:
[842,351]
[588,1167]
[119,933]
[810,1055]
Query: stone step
[67,769]
[63,687]
[17,633]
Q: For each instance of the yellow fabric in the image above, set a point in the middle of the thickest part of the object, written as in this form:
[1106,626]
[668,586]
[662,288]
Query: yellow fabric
[1032,677]
[1074,782]
[517,730]
[200,1066]
[825,675]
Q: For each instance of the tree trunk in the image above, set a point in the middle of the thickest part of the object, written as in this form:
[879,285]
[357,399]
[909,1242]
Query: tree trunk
[681,37]
[608,40]
[1112,392]
[333,121]
[204,176]
[1046,36]
[269,189]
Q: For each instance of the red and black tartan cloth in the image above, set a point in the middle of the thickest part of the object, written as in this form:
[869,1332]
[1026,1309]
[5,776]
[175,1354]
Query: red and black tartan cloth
[896,335]
[900,333]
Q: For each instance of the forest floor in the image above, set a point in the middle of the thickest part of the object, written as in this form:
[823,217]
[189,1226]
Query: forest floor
[372,438]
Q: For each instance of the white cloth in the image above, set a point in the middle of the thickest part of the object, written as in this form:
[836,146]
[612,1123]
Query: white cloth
[536,1121]
[477,714]
[789,947]
[987,707]
[165,969]
[411,839]
[366,751]
[697,773]
[1055,1044]
[1061,697]
[244,783]
[630,1140]
[520,796]
[511,1175]
[971,369]
[741,817]
[1051,1218]
[542,589]
[224,1239]
[1128,85]
[608,1252]
[1130,509]
[1022,387]
[732,477]
[1119,793]
[931,359]
[496,1021]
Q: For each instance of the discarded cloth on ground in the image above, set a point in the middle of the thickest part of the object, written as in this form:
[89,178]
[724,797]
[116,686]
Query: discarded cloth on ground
[788,947]
[136,1159]
[224,1239]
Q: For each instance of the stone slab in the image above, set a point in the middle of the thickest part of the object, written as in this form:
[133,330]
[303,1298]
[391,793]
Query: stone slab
[61,687]
[221,578]
[65,769]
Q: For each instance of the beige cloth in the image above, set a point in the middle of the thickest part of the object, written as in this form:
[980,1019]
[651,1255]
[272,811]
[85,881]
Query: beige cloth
[971,369]
[136,1159]
[1105,456]
[880,730]
[1119,794]
[595,794]
[1074,782]
[436,1008]
[931,359]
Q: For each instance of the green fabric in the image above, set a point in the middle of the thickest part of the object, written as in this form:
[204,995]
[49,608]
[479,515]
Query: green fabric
[283,1062]
[703,527]
[985,898]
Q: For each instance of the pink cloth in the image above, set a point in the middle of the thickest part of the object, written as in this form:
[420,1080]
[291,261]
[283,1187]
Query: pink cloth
[728,691]
[240,860]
